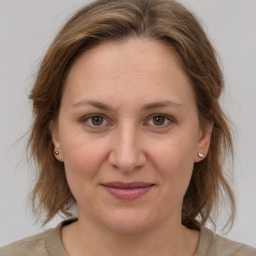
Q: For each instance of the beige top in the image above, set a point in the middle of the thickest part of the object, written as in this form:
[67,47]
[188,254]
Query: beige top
[49,243]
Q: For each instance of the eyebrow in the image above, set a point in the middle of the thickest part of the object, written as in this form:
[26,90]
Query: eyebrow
[149,106]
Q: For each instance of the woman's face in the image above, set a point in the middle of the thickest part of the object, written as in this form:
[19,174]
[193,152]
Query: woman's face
[128,134]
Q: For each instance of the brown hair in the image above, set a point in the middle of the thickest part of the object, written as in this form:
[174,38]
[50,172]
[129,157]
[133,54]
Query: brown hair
[103,20]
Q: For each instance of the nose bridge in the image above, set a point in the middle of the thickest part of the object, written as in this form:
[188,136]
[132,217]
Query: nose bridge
[126,150]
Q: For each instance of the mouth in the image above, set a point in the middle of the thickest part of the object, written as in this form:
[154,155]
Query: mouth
[127,191]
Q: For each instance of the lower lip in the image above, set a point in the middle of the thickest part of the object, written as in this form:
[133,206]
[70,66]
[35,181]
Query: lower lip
[129,193]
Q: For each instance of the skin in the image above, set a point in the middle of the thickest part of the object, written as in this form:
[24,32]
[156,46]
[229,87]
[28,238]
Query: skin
[136,79]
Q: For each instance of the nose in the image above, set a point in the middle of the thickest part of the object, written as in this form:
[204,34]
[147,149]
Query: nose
[127,152]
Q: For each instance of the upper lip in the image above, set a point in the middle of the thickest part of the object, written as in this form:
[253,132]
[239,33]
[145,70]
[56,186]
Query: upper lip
[119,184]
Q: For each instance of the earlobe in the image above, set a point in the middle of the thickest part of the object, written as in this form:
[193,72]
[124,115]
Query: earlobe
[55,139]
[204,141]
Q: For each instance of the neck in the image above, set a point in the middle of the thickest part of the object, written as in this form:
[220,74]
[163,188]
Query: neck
[85,238]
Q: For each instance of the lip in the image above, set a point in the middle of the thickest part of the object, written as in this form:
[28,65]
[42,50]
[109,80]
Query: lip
[127,191]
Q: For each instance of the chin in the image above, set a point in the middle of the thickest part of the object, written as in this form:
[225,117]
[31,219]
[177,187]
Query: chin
[128,222]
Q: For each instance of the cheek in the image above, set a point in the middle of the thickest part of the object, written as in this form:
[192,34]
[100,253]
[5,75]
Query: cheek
[83,158]
[174,160]
[179,151]
[83,162]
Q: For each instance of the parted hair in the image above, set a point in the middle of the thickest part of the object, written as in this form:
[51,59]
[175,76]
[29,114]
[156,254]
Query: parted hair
[106,20]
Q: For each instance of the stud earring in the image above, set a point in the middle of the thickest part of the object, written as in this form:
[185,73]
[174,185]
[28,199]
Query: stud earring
[57,153]
[201,155]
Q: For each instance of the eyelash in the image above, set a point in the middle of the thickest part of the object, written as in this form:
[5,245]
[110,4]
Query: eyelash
[167,118]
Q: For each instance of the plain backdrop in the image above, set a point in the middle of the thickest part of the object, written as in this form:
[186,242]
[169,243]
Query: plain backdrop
[27,28]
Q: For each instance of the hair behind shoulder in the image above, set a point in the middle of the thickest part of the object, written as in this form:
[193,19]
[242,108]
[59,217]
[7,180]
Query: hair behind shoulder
[105,20]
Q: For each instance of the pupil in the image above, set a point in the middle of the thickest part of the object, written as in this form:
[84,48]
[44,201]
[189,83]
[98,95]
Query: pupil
[158,120]
[97,120]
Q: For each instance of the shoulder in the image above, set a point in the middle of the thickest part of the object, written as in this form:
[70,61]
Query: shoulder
[33,245]
[227,247]
[47,243]
[211,244]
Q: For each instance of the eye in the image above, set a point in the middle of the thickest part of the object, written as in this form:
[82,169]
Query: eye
[95,120]
[160,120]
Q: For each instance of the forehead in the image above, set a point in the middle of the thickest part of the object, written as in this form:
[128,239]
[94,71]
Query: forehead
[132,54]
[136,65]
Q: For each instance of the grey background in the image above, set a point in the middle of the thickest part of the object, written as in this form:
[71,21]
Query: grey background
[26,29]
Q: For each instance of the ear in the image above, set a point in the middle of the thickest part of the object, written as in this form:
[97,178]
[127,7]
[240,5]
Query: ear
[54,130]
[204,140]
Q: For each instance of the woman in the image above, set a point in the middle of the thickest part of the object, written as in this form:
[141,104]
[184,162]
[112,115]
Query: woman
[129,131]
